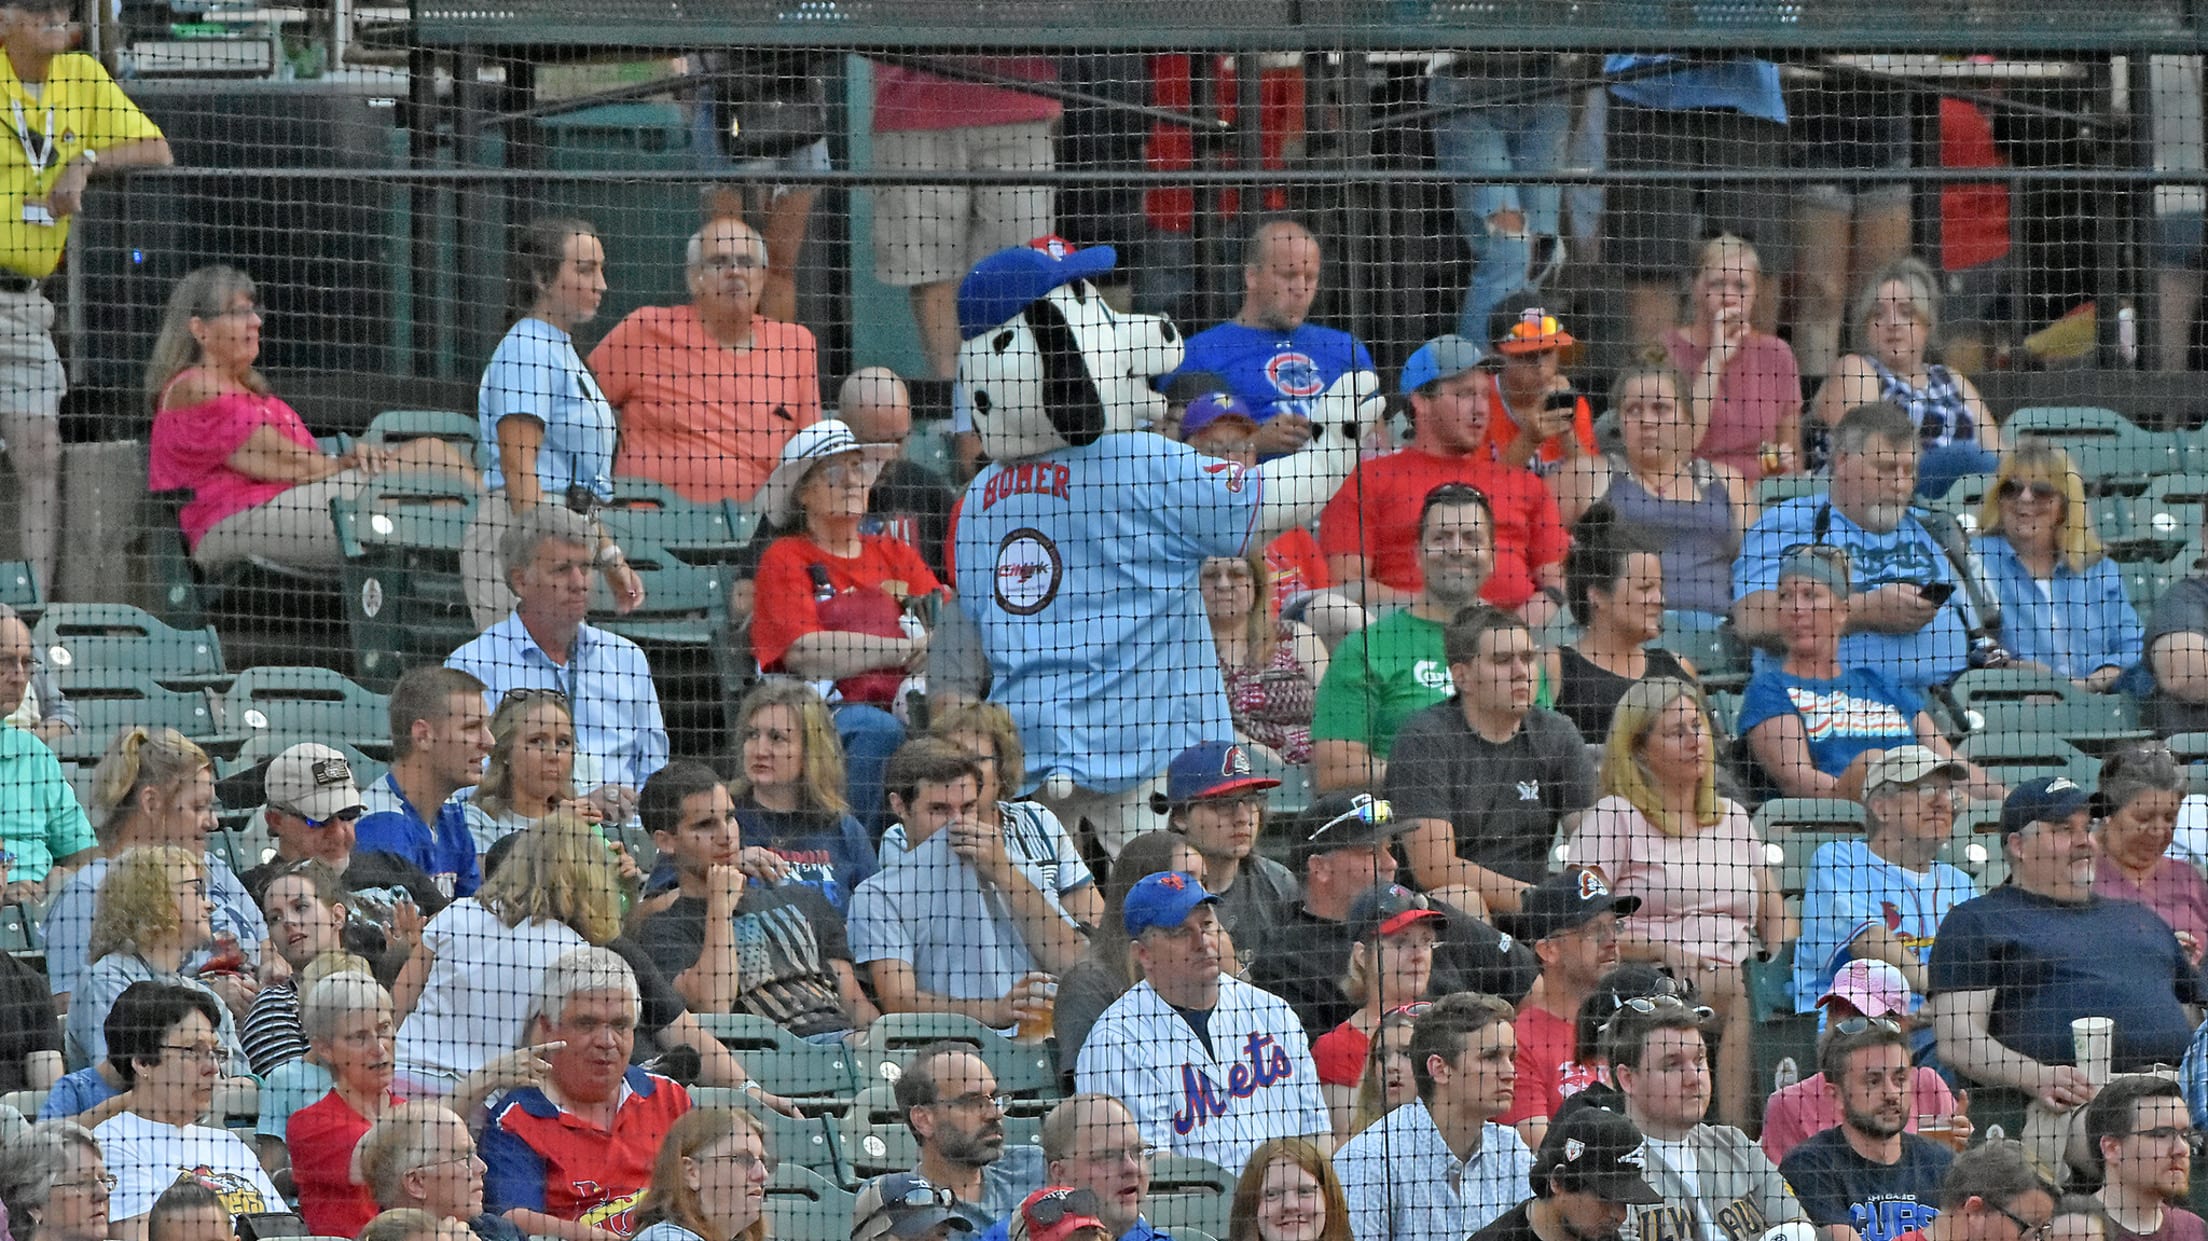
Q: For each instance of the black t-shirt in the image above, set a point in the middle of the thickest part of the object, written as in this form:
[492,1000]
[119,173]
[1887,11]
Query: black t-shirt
[913,503]
[662,1004]
[26,1019]
[1511,1225]
[786,939]
[1503,800]
[1252,909]
[1308,956]
[1587,694]
[1880,1201]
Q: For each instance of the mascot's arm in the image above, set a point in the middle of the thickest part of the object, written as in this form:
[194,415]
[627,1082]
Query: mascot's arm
[1298,485]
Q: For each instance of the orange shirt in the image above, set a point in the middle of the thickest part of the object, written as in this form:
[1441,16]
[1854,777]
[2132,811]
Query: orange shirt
[1502,429]
[704,419]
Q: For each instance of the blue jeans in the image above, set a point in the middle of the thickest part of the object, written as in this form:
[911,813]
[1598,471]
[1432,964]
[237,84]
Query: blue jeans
[869,735]
[1507,138]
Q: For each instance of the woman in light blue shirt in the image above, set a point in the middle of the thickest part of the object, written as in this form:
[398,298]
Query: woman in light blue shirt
[710,1180]
[2063,605]
[548,433]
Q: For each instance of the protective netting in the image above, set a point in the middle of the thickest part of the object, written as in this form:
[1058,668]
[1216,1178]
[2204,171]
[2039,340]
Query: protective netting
[1310,620]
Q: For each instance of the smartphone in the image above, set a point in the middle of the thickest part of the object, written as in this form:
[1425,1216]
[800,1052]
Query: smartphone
[1937,592]
[1567,399]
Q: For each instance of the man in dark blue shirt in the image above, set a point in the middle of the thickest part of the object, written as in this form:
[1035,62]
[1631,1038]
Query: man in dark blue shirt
[1867,1178]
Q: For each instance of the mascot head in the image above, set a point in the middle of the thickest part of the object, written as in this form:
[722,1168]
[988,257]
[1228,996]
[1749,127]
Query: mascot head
[1047,363]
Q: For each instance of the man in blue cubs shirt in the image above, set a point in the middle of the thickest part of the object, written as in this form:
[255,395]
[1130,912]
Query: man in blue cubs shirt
[1270,357]
[440,735]
[1866,1177]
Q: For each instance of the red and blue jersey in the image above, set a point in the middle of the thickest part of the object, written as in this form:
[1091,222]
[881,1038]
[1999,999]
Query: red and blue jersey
[542,1158]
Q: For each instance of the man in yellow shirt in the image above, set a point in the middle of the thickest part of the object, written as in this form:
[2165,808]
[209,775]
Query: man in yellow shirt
[66,119]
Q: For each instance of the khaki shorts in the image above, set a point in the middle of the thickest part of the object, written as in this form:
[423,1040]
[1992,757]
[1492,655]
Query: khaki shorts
[293,529]
[31,378]
[925,234]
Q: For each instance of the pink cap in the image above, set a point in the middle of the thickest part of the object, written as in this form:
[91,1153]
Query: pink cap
[1874,988]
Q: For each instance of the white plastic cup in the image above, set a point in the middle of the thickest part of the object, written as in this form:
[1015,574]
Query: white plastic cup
[2092,1038]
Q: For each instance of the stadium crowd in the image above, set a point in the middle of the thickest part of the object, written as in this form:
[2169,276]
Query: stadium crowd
[1458,919]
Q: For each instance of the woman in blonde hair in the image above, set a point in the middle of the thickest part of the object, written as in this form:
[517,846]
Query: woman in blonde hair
[1388,1082]
[152,915]
[2063,605]
[462,995]
[1662,833]
[790,797]
[710,1180]
[531,768]
[153,787]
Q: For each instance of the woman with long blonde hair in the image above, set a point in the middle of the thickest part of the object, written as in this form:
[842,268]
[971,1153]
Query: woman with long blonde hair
[710,1180]
[1661,832]
[790,797]
[151,917]
[2063,606]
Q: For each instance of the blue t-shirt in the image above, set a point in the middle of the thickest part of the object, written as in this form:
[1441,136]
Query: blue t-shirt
[76,1093]
[1079,569]
[1274,372]
[2049,963]
[536,373]
[1853,712]
[830,852]
[445,852]
[1852,889]
[1929,656]
[1879,1201]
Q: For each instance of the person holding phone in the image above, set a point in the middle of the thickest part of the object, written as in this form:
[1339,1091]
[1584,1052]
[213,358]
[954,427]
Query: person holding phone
[1534,418]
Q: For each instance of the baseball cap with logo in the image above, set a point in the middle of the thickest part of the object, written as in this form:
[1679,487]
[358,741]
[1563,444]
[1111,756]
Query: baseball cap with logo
[1163,902]
[1565,901]
[1056,1213]
[1529,329]
[904,1205]
[1211,769]
[1595,1150]
[1342,820]
[1872,988]
[2052,799]
[1904,765]
[1212,407]
[1440,358]
[1001,285]
[1390,909]
[313,782]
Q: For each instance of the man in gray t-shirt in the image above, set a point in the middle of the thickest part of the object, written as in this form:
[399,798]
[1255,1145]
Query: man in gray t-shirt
[1485,778]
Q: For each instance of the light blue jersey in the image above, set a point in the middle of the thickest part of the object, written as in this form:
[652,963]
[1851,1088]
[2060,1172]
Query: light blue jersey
[1079,568]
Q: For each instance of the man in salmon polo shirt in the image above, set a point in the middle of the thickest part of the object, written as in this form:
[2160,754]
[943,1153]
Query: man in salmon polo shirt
[708,393]
[1369,530]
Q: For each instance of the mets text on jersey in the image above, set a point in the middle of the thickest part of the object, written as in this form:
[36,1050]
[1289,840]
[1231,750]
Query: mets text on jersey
[1263,1064]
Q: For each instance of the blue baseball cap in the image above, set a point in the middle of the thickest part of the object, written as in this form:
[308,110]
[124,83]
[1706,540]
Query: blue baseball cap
[1440,358]
[1163,901]
[1001,285]
[1210,408]
[2050,799]
[1211,769]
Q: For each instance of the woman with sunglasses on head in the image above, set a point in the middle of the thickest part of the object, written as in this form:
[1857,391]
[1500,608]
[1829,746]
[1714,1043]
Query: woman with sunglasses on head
[710,1180]
[2135,807]
[1815,727]
[1288,1192]
[837,604]
[1662,833]
[2063,606]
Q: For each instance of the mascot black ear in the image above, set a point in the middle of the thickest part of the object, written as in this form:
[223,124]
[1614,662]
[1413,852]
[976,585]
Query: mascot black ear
[1069,394]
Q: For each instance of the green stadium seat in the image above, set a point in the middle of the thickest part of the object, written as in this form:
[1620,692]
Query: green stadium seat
[1963,498]
[307,703]
[1188,1193]
[105,709]
[929,446]
[2029,700]
[698,533]
[404,601]
[804,1206]
[21,933]
[460,430]
[2145,581]
[1793,827]
[88,645]
[783,1062]
[810,1142]
[1024,1070]
[2112,453]
[1707,642]
[19,589]
[875,1139]
[685,604]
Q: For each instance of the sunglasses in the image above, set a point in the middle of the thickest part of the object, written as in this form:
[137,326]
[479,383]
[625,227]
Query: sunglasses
[515,697]
[1363,808]
[1053,1208]
[921,1194]
[1861,1025]
[2036,490]
[351,814]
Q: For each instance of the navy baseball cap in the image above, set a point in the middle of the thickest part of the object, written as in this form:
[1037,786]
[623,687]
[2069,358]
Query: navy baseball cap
[1211,769]
[2051,799]
[1564,901]
[1440,358]
[1210,408]
[1390,909]
[1001,285]
[1163,901]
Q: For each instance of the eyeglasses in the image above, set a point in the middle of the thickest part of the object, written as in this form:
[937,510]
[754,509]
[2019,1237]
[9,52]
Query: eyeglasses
[2029,1230]
[1122,1154]
[96,1184]
[466,1157]
[976,1100]
[515,697]
[1363,808]
[382,1032]
[745,1162]
[2192,1138]
[845,473]
[203,1054]
[1052,1208]
[2032,490]
[725,263]
[1860,1025]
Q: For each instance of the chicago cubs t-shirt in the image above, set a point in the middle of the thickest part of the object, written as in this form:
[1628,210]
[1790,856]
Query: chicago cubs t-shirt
[1274,372]
[1880,1202]
[1080,573]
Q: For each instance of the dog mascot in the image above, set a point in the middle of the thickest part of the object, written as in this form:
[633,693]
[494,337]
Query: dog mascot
[1079,548]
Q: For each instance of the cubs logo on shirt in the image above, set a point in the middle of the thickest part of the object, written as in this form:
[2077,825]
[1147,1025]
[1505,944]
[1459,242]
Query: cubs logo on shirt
[1296,374]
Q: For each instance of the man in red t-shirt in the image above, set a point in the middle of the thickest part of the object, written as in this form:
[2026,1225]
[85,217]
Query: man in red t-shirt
[1369,530]
[1571,920]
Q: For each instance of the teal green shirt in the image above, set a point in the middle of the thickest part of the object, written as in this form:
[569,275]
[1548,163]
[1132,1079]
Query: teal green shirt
[40,819]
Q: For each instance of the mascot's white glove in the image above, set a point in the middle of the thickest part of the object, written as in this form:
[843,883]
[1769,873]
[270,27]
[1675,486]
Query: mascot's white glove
[1298,485]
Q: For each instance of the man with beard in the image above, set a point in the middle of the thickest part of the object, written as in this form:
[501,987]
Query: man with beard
[1440,1166]
[1867,1178]
[2013,968]
[1905,618]
[1589,1171]
[1571,919]
[950,1102]
[2145,1142]
[1091,1142]
[1382,674]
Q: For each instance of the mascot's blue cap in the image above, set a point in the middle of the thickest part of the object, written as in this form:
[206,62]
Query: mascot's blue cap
[1001,285]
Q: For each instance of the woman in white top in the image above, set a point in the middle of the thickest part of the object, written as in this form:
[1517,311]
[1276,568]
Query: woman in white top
[710,1180]
[462,997]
